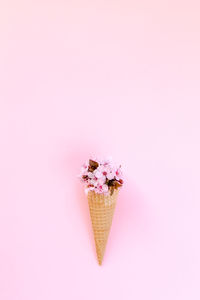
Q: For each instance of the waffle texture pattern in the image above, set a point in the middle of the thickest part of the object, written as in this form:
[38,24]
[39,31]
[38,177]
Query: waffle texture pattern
[101,212]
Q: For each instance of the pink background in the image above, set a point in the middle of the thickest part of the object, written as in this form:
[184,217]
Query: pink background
[118,78]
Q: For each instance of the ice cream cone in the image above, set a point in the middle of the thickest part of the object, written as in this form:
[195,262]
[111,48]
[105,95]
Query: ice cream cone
[101,211]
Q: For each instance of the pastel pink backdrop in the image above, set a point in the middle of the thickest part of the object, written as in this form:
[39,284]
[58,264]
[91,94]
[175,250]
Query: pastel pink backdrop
[116,78]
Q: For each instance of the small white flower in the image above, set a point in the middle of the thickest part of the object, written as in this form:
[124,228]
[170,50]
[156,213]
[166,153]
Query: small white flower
[105,188]
[94,182]
[110,175]
[90,175]
[101,180]
[97,173]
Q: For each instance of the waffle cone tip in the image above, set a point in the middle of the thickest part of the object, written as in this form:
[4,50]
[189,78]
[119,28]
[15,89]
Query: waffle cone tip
[99,261]
[100,255]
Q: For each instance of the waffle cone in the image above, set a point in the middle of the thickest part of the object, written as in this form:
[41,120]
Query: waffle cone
[101,212]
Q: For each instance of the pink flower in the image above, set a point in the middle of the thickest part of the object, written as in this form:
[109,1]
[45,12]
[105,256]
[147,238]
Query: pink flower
[102,189]
[103,169]
[97,179]
[101,180]
[118,174]
[110,175]
[90,175]
[94,182]
[105,188]
[97,173]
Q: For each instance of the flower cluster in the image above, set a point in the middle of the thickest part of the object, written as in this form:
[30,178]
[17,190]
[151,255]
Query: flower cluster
[101,176]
